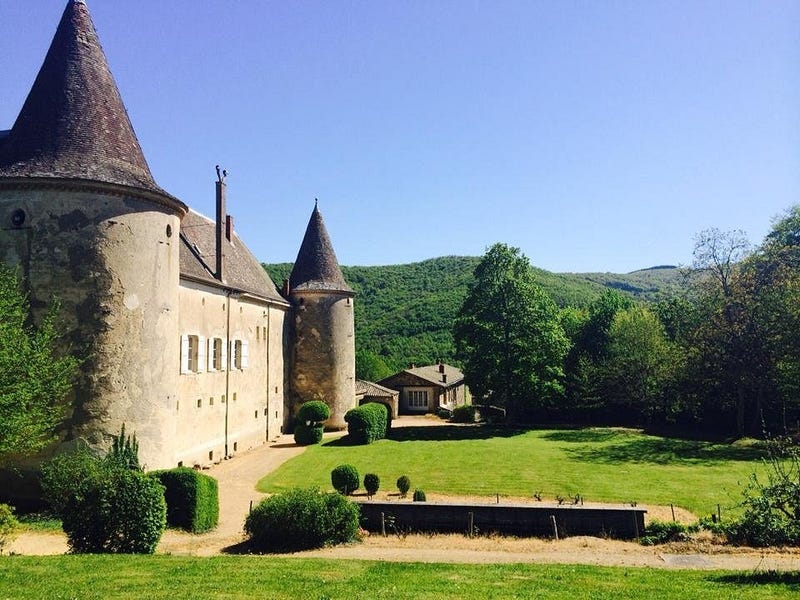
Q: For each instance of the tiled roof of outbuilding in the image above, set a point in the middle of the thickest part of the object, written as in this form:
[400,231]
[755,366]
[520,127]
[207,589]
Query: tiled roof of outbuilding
[241,270]
[370,388]
[316,267]
[73,123]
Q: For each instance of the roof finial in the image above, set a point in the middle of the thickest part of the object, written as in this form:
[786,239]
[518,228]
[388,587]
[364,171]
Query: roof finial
[221,175]
[316,202]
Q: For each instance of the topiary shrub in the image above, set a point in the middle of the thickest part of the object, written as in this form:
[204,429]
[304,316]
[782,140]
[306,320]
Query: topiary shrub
[371,483]
[419,495]
[192,499]
[305,435]
[313,412]
[463,414]
[366,423]
[301,519]
[8,526]
[122,511]
[403,485]
[344,479]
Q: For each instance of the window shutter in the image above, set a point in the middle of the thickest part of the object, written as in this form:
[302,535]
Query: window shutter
[201,354]
[184,354]
[210,355]
[245,354]
[223,361]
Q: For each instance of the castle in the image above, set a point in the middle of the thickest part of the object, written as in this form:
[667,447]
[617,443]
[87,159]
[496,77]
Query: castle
[184,338]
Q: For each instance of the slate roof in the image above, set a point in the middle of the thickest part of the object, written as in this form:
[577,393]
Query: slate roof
[73,123]
[316,267]
[241,270]
[429,374]
[369,388]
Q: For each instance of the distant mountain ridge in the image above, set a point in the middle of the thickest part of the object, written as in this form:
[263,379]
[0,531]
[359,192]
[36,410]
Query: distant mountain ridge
[405,313]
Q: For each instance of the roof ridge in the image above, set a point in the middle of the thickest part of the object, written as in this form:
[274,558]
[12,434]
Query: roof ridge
[73,123]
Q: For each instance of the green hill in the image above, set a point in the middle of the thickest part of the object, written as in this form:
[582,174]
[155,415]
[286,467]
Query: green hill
[405,313]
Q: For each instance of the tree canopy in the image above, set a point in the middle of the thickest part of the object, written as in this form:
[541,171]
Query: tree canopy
[509,336]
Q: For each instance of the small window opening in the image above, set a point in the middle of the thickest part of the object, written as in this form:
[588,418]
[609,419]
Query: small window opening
[211,455]
[199,402]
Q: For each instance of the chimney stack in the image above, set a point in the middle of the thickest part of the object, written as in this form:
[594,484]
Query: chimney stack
[220,221]
[444,378]
[441,367]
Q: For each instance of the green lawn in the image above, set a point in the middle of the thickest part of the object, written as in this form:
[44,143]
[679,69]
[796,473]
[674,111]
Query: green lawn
[234,577]
[608,465]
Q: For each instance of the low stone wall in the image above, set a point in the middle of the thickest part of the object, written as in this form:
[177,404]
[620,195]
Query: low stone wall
[509,519]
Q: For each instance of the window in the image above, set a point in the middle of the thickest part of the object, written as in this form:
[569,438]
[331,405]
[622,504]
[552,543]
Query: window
[216,354]
[417,398]
[199,403]
[193,354]
[239,354]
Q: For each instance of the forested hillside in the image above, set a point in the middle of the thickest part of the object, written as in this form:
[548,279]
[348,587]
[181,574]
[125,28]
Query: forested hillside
[405,313]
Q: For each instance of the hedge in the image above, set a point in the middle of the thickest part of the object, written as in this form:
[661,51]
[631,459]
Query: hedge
[313,412]
[301,519]
[192,499]
[305,435]
[366,423]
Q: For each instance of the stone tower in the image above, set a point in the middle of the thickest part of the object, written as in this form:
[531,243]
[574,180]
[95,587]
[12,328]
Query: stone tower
[82,217]
[323,344]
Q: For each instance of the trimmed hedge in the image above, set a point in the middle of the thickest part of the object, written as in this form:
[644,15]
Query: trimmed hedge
[367,423]
[344,479]
[464,414]
[302,519]
[371,483]
[403,485]
[192,499]
[419,495]
[305,435]
[122,511]
[314,412]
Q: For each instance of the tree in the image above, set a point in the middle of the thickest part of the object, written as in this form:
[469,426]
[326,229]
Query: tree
[370,366]
[508,335]
[34,376]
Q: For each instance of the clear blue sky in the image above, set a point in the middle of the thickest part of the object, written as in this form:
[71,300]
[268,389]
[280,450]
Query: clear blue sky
[596,136]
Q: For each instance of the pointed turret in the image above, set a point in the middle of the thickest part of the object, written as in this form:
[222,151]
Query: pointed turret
[316,267]
[73,124]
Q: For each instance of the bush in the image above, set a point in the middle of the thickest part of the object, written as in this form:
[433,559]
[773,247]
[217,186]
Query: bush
[371,483]
[305,435]
[8,526]
[463,414]
[367,423]
[192,499]
[419,495]
[302,519]
[344,479]
[66,476]
[122,511]
[403,484]
[661,532]
[124,451]
[313,412]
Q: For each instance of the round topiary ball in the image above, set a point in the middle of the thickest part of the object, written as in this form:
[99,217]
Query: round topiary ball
[345,479]
[305,435]
[315,411]
[371,483]
[419,496]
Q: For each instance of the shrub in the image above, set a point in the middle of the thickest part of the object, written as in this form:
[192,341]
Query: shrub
[124,451]
[344,479]
[301,519]
[192,499]
[367,423]
[771,509]
[8,526]
[403,484]
[371,483]
[307,435]
[313,412]
[419,495]
[122,511]
[661,532]
[68,475]
[463,414]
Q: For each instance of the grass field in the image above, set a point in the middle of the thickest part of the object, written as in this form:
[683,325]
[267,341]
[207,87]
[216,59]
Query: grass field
[176,578]
[601,464]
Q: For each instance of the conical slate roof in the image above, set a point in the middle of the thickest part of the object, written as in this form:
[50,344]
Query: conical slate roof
[73,124]
[316,267]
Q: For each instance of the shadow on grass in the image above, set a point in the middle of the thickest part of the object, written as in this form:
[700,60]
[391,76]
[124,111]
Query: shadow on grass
[790,579]
[649,449]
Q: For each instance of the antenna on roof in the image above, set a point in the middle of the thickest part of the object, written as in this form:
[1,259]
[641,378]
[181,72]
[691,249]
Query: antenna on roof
[221,175]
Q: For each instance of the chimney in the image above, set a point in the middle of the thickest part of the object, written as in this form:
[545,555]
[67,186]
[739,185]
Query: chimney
[441,367]
[220,221]
[444,378]
[229,227]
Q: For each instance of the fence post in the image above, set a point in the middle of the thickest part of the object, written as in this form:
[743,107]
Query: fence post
[383,525]
[672,508]
[471,523]
[555,526]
